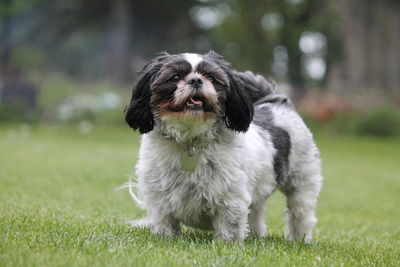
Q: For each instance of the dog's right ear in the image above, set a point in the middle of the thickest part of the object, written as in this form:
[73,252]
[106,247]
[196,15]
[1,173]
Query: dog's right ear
[138,113]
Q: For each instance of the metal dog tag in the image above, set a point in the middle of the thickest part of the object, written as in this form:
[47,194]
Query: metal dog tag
[189,160]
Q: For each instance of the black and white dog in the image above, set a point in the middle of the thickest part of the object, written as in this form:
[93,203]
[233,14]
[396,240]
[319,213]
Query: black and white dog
[216,144]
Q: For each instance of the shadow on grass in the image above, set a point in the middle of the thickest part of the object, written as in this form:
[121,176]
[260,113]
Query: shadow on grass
[195,236]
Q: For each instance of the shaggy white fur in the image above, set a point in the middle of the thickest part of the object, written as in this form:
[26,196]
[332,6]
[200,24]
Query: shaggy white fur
[235,172]
[233,178]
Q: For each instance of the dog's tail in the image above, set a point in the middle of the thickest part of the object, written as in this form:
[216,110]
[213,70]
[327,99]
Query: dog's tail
[260,89]
[130,185]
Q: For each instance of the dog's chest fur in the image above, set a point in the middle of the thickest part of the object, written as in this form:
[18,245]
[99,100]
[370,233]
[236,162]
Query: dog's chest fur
[225,170]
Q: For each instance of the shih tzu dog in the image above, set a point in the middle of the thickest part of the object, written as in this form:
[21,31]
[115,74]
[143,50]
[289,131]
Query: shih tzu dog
[216,143]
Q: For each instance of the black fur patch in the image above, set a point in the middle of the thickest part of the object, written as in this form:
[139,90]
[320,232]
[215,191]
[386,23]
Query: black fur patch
[280,138]
[239,109]
[238,103]
[138,114]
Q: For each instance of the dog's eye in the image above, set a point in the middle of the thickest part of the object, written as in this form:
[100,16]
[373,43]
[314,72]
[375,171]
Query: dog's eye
[210,78]
[175,78]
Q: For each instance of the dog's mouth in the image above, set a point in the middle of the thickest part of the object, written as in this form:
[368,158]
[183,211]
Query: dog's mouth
[193,103]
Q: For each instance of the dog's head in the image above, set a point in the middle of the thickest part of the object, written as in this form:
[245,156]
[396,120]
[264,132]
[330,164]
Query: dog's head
[188,87]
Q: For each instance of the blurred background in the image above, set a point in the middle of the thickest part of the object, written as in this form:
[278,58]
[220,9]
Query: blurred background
[74,61]
[66,72]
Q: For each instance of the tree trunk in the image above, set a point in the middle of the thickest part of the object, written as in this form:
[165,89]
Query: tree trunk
[371,30]
[5,38]
[118,63]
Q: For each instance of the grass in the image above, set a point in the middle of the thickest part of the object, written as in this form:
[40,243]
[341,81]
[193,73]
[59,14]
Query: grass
[59,208]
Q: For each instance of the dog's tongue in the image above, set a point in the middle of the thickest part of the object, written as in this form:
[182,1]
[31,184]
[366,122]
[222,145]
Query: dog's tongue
[196,102]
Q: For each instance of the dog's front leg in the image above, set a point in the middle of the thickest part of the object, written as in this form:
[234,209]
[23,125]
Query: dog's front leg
[231,223]
[165,226]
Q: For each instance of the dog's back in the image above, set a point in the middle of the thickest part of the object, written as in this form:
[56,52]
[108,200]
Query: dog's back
[259,89]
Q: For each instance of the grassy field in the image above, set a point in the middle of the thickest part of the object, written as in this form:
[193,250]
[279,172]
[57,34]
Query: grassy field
[59,207]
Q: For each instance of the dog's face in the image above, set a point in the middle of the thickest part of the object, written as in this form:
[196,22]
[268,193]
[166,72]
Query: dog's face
[188,87]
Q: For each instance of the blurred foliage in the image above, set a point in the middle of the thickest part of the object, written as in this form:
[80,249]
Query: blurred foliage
[17,113]
[63,99]
[86,39]
[66,100]
[80,37]
[249,35]
[383,121]
[89,49]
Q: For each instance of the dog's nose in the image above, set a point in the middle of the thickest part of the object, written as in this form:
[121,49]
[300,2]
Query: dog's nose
[196,82]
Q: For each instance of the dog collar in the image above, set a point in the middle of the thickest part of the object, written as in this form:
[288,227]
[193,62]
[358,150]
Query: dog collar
[189,156]
[189,159]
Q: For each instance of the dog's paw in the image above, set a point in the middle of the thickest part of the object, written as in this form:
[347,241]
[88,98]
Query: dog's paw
[142,223]
[307,239]
[162,230]
[229,237]
[258,234]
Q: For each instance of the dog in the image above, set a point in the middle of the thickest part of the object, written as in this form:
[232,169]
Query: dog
[216,143]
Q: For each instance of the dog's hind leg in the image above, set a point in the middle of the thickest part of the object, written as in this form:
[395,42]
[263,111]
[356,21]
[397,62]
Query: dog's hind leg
[301,201]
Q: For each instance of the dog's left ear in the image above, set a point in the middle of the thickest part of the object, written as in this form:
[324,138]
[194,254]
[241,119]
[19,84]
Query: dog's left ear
[238,105]
[138,113]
